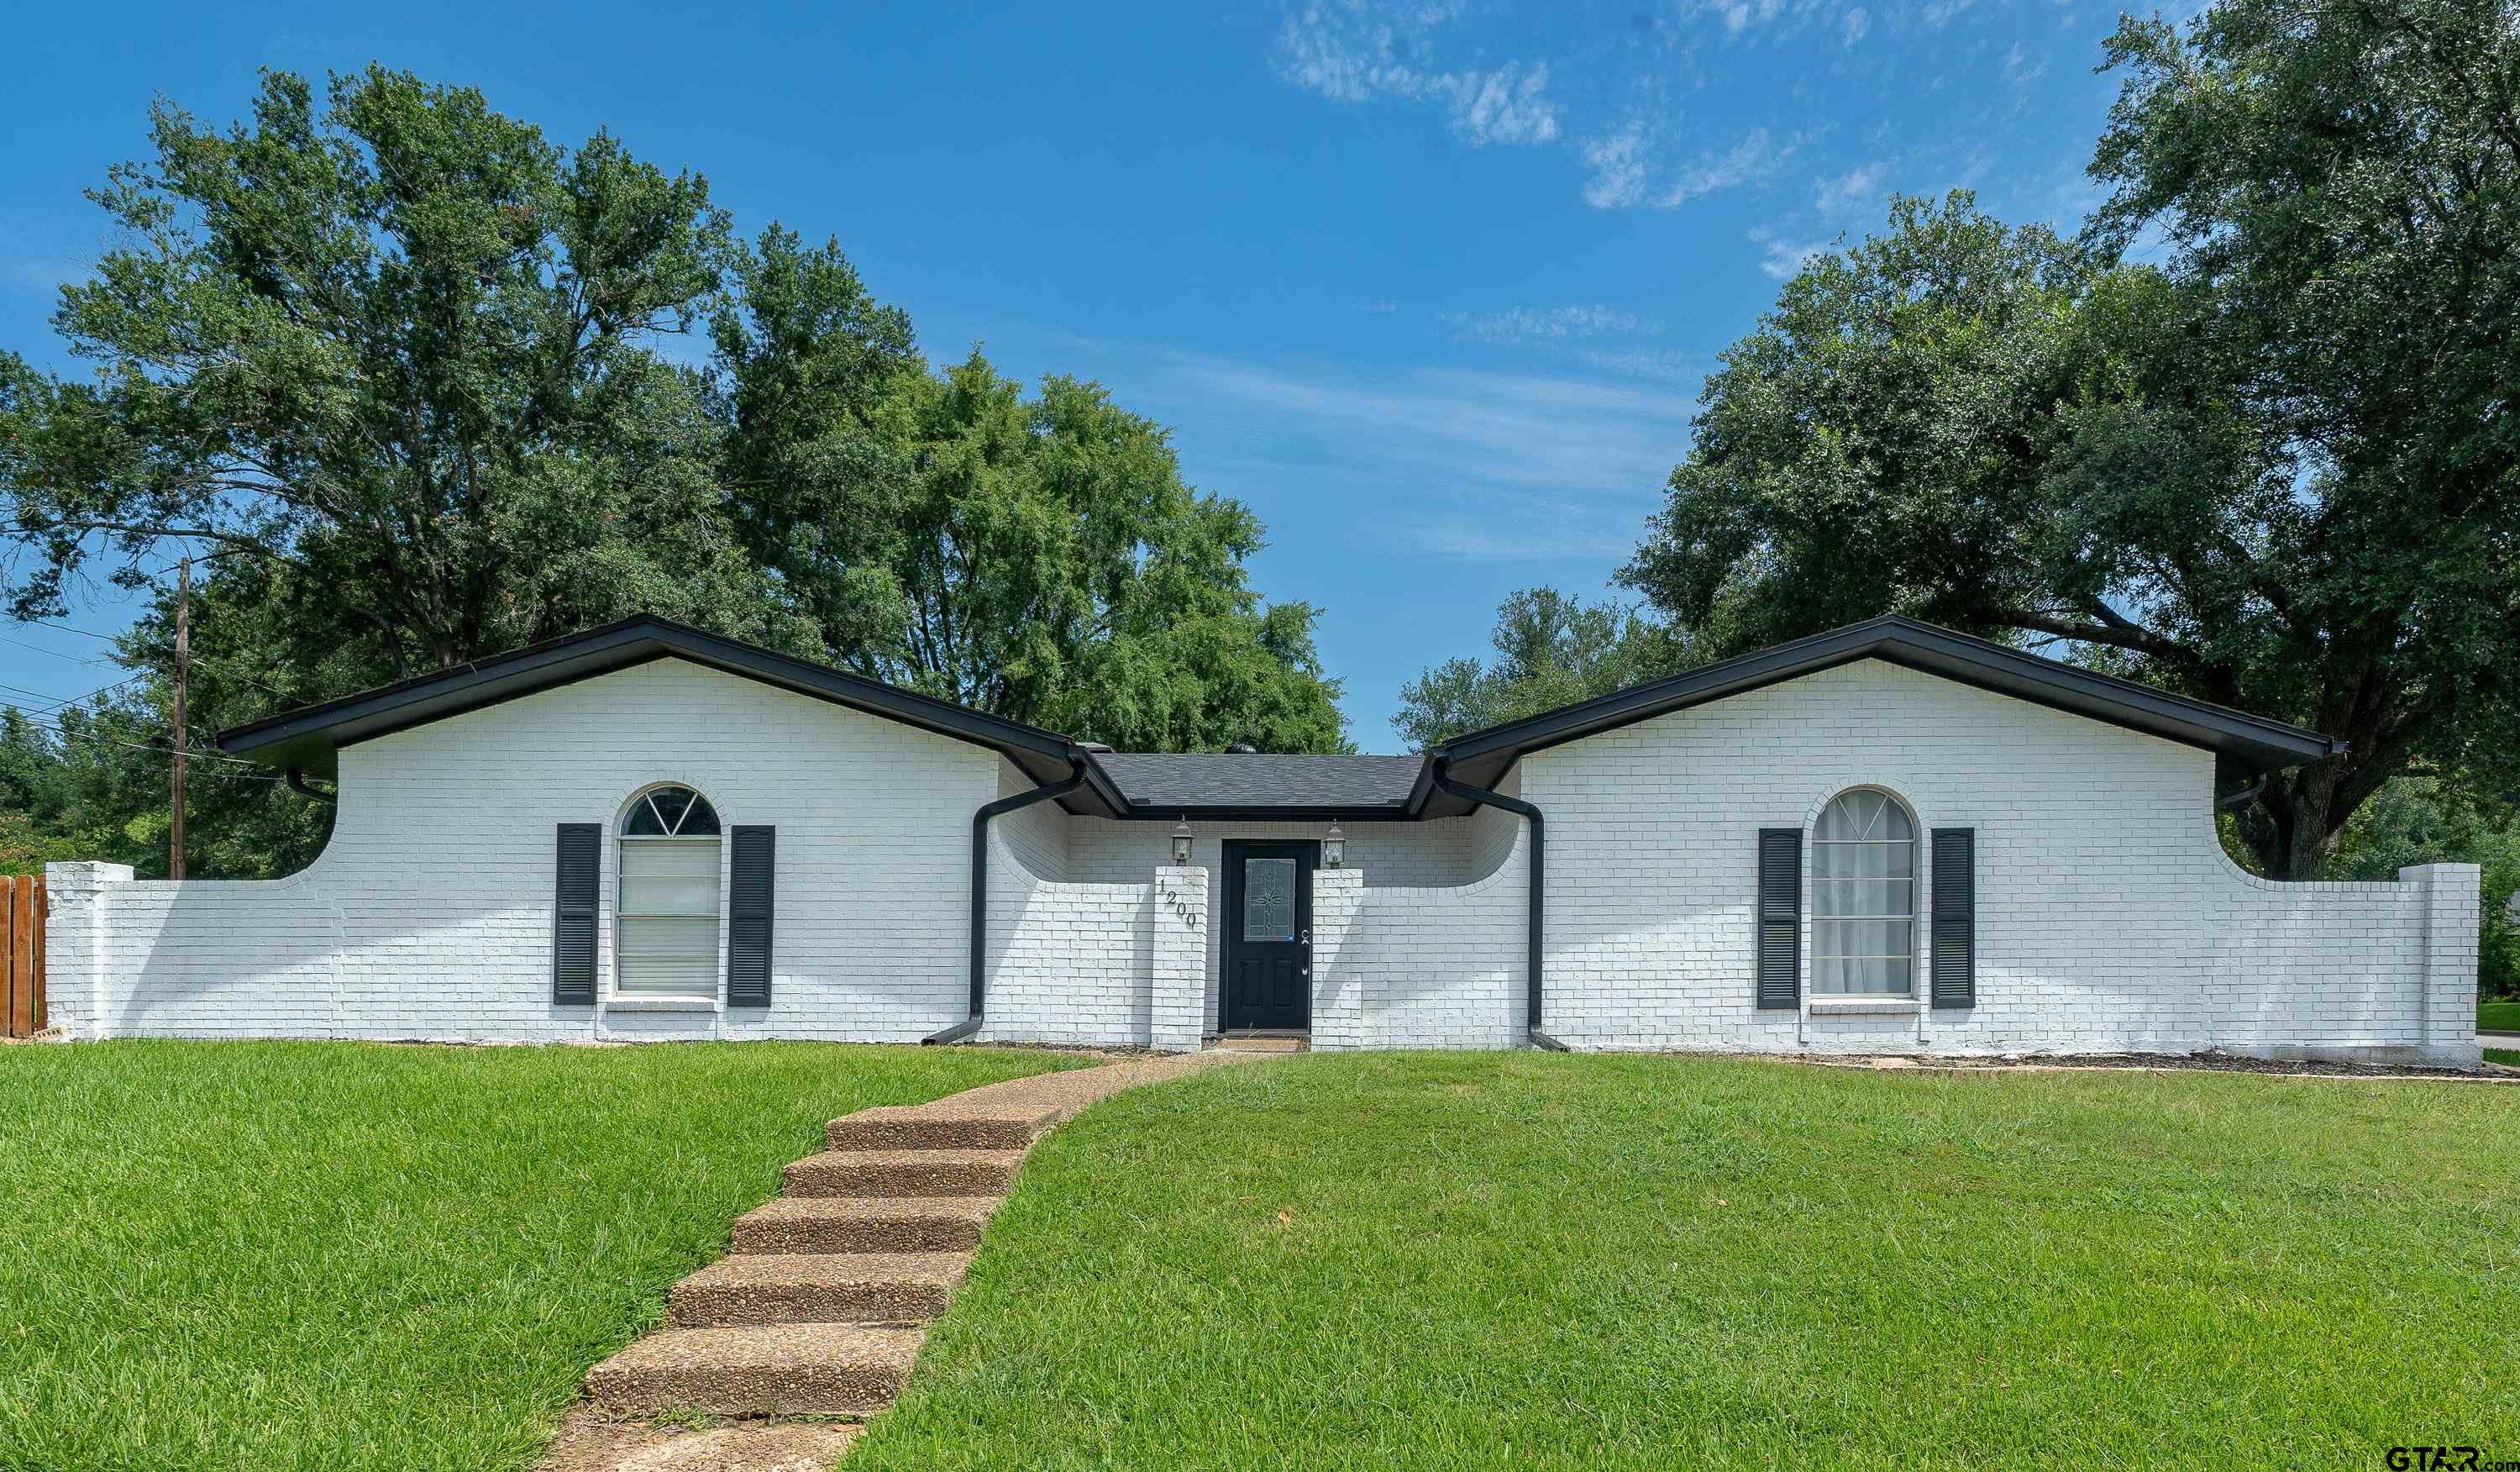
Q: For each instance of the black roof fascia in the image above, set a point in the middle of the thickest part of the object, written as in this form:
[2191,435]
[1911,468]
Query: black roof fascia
[308,739]
[1151,812]
[2250,742]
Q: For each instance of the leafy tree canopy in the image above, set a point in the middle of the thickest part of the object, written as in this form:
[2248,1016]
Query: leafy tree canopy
[1552,650]
[401,373]
[2276,472]
[398,349]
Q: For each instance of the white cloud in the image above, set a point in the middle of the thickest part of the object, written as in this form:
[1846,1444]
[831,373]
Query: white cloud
[1470,465]
[1942,13]
[1754,160]
[1853,24]
[1356,50]
[1503,106]
[1739,15]
[1784,256]
[1664,364]
[1525,324]
[1618,164]
[2019,71]
[1854,192]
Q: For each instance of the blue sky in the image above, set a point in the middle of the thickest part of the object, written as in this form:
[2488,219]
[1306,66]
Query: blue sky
[1432,285]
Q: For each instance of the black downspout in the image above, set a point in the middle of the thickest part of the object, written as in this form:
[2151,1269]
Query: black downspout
[2244,797]
[297,781]
[1538,901]
[980,891]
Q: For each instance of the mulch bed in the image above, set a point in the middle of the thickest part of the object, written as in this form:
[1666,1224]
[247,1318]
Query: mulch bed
[2221,1063]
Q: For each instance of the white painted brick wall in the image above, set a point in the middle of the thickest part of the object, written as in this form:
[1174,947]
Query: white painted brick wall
[2453,909]
[1421,967]
[430,913]
[2108,917]
[1180,981]
[1036,832]
[1119,851]
[1068,962]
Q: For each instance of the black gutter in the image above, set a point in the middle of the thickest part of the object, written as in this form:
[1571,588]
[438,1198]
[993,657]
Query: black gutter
[980,888]
[297,781]
[1481,797]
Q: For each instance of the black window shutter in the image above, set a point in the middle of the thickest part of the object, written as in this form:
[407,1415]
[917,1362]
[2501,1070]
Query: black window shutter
[1781,917]
[747,915]
[580,868]
[1955,917]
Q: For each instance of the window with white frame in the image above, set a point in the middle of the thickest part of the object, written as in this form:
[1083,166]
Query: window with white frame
[1864,897]
[665,931]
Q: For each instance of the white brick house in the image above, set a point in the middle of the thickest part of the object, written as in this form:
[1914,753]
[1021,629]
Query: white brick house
[1887,837]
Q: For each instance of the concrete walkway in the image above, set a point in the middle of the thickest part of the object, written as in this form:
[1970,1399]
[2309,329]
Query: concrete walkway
[822,1306]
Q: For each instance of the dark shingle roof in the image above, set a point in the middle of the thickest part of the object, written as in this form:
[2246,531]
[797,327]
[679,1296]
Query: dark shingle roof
[1191,781]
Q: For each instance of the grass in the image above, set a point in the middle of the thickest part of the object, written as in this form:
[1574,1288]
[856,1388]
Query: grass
[1466,1259]
[347,1255]
[2507,1056]
[2497,1017]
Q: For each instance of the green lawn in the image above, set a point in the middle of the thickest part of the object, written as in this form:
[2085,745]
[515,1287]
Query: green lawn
[345,1255]
[1466,1259]
[2497,1017]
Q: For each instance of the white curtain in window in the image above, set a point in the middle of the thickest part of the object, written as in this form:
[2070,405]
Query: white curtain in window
[668,920]
[1864,897]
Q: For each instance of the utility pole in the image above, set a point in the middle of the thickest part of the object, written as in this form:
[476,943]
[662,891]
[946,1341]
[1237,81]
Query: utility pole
[183,667]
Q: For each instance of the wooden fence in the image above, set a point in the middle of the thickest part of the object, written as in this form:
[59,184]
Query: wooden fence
[21,953]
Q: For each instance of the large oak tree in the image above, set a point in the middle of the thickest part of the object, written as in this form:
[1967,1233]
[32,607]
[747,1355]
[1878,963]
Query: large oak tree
[2281,470]
[415,385]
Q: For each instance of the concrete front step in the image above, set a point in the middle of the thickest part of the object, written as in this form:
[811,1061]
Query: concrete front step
[921,1127]
[758,1370]
[864,1224]
[1261,1042]
[800,1288]
[904,1173]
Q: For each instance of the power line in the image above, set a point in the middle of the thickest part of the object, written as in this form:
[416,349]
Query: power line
[208,771]
[39,721]
[68,629]
[60,703]
[40,649]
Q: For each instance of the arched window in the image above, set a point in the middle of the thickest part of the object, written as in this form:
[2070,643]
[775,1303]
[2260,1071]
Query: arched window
[666,928]
[1864,897]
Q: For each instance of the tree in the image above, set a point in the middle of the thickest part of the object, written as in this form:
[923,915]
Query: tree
[1552,650]
[394,357]
[816,382]
[2011,434]
[2425,819]
[392,371]
[2340,183]
[1037,558]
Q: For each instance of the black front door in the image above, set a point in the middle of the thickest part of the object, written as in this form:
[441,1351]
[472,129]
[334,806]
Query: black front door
[1268,951]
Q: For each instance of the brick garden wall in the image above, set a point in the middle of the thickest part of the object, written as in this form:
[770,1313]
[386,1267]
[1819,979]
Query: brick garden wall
[2108,917]
[430,913]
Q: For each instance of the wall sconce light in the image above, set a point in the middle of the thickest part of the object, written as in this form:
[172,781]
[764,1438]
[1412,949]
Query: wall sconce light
[1334,846]
[1181,841]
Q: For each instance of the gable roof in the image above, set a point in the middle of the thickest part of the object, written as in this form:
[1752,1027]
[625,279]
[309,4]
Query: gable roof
[1261,784]
[2248,744]
[308,739]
